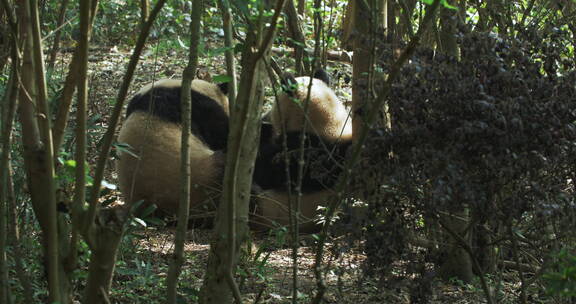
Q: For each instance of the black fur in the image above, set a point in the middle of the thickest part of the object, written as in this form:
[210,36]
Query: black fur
[266,133]
[322,75]
[322,160]
[289,84]
[223,87]
[322,163]
[209,121]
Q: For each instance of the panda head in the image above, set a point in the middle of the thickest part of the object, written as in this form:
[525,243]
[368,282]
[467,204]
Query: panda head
[326,116]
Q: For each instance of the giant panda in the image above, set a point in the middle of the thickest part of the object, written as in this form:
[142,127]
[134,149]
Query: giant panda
[152,129]
[328,134]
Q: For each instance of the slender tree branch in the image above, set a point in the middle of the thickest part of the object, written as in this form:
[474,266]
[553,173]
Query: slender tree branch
[186,104]
[81,113]
[58,33]
[70,84]
[229,44]
[109,135]
[7,117]
[267,41]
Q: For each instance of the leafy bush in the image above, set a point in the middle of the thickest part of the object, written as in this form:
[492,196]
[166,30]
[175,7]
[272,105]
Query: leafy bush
[562,280]
[492,132]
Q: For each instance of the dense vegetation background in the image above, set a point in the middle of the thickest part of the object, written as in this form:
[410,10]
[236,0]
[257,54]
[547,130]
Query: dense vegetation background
[459,187]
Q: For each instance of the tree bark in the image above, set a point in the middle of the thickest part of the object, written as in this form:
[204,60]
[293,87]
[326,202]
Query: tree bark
[302,9]
[144,12]
[229,44]
[447,43]
[361,63]
[8,114]
[348,22]
[35,118]
[70,84]
[58,34]
[456,263]
[232,219]
[296,33]
[104,236]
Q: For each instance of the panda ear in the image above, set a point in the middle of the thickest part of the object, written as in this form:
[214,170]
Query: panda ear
[322,75]
[289,83]
[223,87]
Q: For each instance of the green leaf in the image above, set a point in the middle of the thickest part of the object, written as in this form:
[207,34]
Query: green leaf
[140,221]
[221,78]
[447,5]
[70,163]
[125,148]
[181,43]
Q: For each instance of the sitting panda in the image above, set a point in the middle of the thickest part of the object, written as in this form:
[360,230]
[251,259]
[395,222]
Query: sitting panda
[153,131]
[327,128]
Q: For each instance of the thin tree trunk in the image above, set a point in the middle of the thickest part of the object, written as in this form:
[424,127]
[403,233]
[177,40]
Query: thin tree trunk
[382,15]
[457,263]
[7,195]
[186,103]
[296,33]
[392,14]
[81,114]
[103,259]
[229,44]
[58,34]
[347,38]
[447,38]
[144,12]
[361,63]
[302,9]
[104,240]
[42,173]
[14,241]
[115,117]
[10,101]
[70,84]
[231,231]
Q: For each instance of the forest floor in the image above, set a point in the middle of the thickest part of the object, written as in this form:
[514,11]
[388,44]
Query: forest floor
[266,274]
[266,271]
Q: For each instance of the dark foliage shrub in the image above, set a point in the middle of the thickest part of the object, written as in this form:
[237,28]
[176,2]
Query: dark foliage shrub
[493,131]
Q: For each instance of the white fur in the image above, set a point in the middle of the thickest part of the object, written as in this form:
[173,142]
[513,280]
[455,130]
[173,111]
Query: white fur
[154,176]
[327,116]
